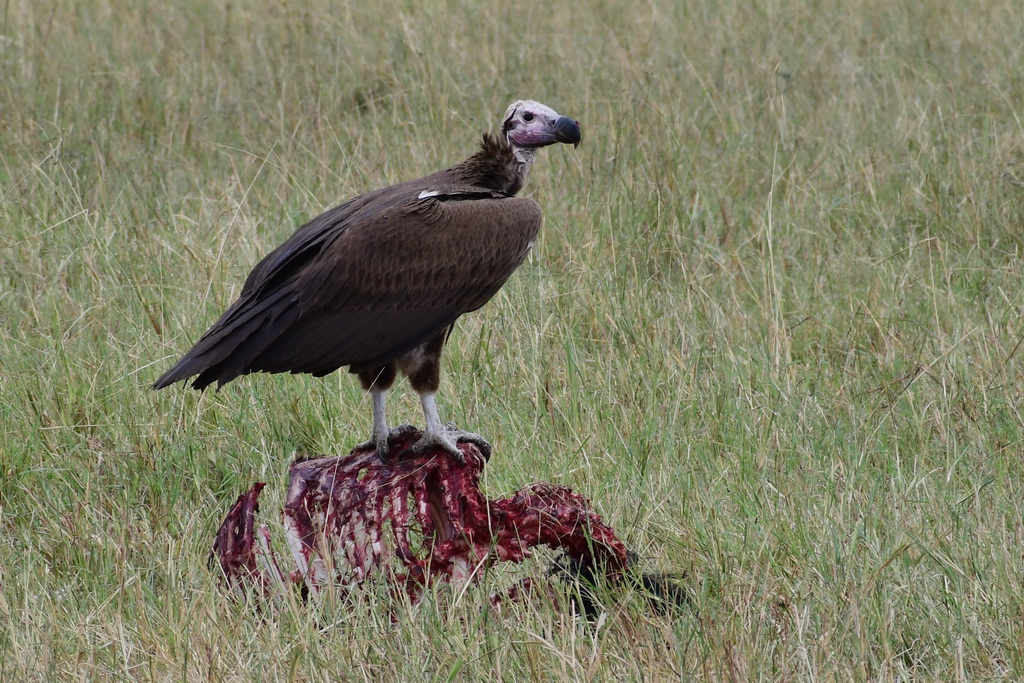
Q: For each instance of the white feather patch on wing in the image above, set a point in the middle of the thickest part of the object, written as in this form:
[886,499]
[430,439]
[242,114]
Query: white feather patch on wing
[428,193]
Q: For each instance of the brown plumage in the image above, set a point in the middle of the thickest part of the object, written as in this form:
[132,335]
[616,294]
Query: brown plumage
[376,283]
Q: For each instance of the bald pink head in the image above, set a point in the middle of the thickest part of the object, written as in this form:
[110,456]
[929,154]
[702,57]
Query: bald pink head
[528,125]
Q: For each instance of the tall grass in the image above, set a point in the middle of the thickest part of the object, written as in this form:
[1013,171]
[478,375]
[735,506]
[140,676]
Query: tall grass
[772,327]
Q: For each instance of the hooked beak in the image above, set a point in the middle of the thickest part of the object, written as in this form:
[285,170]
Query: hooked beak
[541,131]
[567,131]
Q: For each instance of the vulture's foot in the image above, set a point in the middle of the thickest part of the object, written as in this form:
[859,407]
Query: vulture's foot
[382,442]
[449,440]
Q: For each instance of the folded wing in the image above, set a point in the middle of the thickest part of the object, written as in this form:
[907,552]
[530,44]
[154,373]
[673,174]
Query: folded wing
[366,282]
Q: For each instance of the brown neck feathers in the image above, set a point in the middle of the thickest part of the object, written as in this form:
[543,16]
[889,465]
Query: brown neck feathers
[494,166]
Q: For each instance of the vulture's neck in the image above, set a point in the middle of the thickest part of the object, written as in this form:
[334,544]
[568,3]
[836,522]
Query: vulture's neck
[497,166]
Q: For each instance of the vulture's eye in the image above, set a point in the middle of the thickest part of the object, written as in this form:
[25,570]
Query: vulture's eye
[527,117]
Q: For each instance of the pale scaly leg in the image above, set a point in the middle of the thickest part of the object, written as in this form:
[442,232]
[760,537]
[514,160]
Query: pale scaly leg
[381,433]
[445,436]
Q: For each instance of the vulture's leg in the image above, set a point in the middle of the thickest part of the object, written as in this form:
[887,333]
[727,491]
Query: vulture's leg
[377,382]
[446,436]
[423,366]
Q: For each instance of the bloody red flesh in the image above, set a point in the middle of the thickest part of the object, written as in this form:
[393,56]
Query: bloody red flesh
[411,520]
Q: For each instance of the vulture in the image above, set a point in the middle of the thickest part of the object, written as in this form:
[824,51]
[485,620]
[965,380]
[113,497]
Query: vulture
[376,283]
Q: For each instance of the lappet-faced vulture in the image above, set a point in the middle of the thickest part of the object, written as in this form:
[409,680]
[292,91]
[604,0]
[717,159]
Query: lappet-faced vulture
[376,283]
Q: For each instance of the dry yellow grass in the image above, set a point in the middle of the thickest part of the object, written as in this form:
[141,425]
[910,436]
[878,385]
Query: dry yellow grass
[772,326]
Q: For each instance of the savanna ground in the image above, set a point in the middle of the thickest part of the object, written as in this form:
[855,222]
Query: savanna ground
[771,328]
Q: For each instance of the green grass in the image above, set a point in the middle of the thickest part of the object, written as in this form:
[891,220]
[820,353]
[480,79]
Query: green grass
[772,327]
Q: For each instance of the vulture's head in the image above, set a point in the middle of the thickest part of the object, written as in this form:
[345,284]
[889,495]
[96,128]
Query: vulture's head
[529,125]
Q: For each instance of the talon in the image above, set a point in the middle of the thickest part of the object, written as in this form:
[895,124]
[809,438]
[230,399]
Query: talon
[448,440]
[382,442]
[480,442]
[367,445]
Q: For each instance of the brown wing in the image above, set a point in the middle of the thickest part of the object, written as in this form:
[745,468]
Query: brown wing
[382,278]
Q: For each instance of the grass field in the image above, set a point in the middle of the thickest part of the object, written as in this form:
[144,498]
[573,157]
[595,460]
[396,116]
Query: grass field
[772,327]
